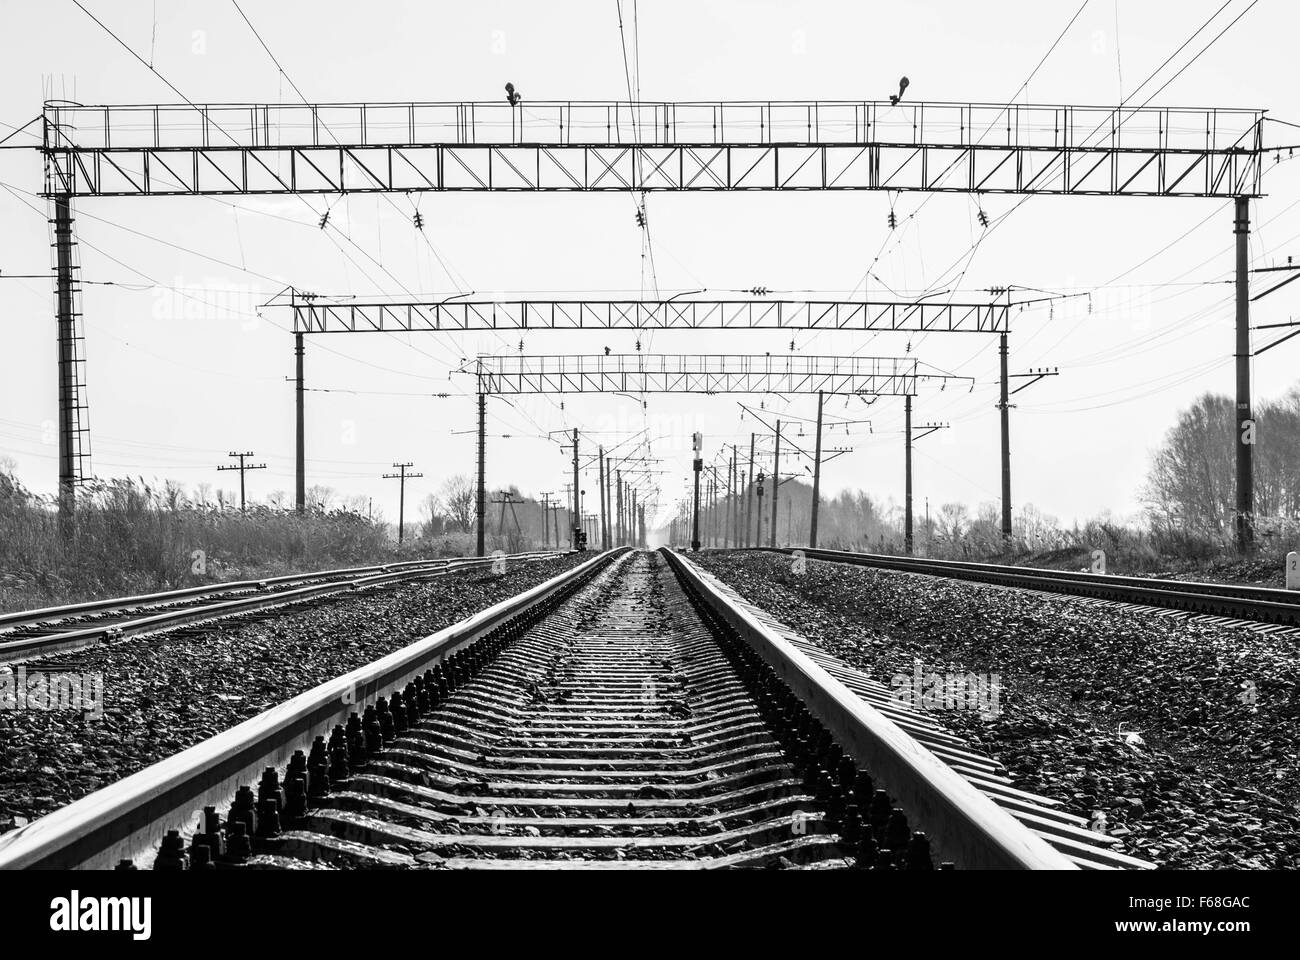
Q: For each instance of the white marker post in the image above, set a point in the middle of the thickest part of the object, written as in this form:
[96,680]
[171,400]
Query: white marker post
[1293,571]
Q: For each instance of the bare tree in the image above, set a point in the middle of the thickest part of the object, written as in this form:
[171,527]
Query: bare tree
[457,496]
[1191,483]
[952,521]
[320,497]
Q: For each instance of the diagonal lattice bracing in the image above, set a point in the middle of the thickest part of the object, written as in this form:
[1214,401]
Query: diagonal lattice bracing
[179,149]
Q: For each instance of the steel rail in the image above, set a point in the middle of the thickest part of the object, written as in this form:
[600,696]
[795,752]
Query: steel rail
[1262,604]
[964,825]
[128,819]
[23,618]
[15,650]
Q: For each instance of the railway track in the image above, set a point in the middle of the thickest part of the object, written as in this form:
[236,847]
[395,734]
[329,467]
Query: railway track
[33,633]
[1263,608]
[631,712]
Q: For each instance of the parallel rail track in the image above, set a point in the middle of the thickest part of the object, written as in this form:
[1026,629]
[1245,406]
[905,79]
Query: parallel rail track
[1235,604]
[629,713]
[32,633]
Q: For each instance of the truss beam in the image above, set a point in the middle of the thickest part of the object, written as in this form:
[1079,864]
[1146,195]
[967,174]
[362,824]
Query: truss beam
[663,373]
[318,317]
[221,149]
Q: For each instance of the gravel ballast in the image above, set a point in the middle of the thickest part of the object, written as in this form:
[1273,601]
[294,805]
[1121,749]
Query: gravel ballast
[166,692]
[1178,737]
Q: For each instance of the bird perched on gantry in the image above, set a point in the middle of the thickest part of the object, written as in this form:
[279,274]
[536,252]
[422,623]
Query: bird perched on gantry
[513,97]
[902,85]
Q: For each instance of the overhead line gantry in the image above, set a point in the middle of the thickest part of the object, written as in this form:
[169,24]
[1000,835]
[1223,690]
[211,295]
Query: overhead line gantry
[699,373]
[317,316]
[223,149]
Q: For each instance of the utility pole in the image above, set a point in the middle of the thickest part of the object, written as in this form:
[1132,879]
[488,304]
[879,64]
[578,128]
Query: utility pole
[749,493]
[480,494]
[402,477]
[715,519]
[300,437]
[776,482]
[698,465]
[719,528]
[604,512]
[910,438]
[732,539]
[817,472]
[242,468]
[710,505]
[1244,523]
[508,500]
[618,493]
[546,517]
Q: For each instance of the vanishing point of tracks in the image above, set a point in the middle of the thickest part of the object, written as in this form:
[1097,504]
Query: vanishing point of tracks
[629,713]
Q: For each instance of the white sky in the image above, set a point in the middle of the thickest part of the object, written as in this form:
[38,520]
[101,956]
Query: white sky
[174,383]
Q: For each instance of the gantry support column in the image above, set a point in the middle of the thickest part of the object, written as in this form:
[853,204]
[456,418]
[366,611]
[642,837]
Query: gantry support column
[907,469]
[618,511]
[698,466]
[817,473]
[66,331]
[1244,522]
[1004,405]
[749,494]
[480,494]
[776,484]
[575,524]
[300,440]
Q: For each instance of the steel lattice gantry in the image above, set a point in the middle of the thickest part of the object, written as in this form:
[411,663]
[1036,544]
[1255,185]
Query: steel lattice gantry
[215,149]
[693,373]
[317,316]
[182,149]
